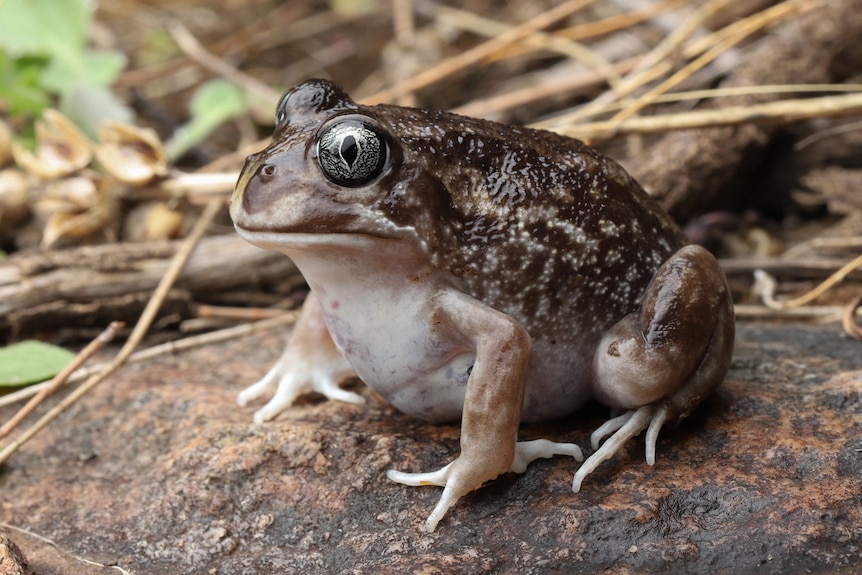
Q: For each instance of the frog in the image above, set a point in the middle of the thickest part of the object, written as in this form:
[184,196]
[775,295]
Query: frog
[476,272]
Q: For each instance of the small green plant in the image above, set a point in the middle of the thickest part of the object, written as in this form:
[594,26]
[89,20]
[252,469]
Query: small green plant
[30,362]
[45,60]
[214,103]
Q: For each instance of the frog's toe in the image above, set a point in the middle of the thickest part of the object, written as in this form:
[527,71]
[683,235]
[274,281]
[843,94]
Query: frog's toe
[620,429]
[293,385]
[420,479]
[655,425]
[329,387]
[453,489]
[288,390]
[528,451]
[265,386]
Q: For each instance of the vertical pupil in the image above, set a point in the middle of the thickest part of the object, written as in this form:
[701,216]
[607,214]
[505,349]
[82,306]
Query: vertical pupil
[349,150]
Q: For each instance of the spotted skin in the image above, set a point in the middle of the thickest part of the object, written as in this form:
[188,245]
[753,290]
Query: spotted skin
[476,271]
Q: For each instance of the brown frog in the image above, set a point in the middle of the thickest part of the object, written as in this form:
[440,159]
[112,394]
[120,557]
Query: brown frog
[476,271]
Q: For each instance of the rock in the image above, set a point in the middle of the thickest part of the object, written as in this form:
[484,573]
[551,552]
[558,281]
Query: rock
[158,470]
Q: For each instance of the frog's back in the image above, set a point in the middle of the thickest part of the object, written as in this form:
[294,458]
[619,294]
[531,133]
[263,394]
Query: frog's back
[537,225]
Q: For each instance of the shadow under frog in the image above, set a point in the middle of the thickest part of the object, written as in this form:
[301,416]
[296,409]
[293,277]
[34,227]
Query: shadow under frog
[470,270]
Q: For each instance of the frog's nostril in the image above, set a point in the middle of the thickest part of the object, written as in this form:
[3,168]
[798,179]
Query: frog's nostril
[267,170]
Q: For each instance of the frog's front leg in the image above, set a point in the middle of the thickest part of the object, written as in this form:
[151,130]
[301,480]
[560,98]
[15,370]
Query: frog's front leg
[311,362]
[492,405]
[660,363]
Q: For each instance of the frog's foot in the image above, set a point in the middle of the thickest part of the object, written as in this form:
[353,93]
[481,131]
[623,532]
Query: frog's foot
[310,363]
[659,363]
[291,377]
[457,479]
[622,428]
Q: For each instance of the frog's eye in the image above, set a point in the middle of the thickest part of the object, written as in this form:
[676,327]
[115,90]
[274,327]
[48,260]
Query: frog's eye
[351,153]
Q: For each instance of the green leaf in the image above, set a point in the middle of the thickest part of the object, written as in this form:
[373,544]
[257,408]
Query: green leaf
[44,27]
[31,362]
[82,68]
[215,102]
[20,92]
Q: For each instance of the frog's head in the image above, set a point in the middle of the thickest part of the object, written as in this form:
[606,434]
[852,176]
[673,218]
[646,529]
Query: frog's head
[329,169]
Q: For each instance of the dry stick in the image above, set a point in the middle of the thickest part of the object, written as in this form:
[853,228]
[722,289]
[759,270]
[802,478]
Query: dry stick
[182,185]
[767,286]
[821,313]
[620,22]
[644,73]
[823,243]
[196,52]
[537,40]
[462,19]
[487,107]
[749,90]
[506,101]
[828,132]
[229,333]
[240,313]
[656,59]
[475,55]
[772,112]
[746,28]
[138,332]
[101,340]
[681,75]
[405,34]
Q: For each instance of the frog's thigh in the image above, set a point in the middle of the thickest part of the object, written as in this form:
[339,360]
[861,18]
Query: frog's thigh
[661,362]
[649,355]
[311,362]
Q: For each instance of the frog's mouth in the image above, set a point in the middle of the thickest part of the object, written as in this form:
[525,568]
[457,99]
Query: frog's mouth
[286,240]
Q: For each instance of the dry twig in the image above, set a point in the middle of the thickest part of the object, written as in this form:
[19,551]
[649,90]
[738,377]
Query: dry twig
[764,286]
[536,40]
[658,62]
[782,111]
[478,54]
[98,343]
[195,51]
[138,332]
[284,318]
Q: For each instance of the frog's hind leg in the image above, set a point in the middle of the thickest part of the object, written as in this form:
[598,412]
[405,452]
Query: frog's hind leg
[659,363]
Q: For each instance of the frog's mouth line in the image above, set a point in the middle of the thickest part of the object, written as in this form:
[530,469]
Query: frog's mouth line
[279,240]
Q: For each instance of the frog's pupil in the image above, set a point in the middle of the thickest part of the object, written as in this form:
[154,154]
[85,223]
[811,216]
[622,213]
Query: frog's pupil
[349,150]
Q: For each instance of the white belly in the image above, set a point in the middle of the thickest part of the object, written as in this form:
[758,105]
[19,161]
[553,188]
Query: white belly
[385,325]
[390,342]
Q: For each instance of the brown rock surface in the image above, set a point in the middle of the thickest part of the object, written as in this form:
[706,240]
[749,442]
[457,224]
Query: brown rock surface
[12,561]
[158,471]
